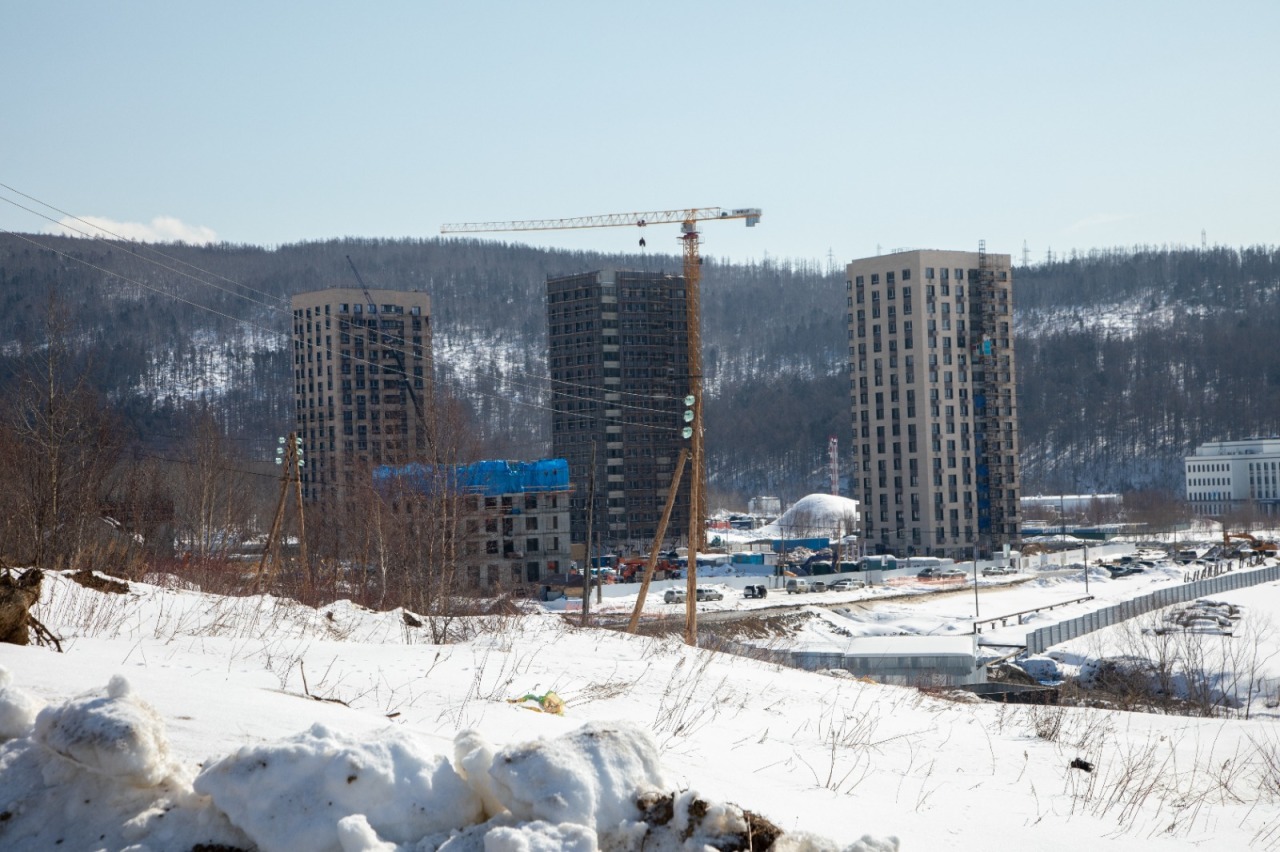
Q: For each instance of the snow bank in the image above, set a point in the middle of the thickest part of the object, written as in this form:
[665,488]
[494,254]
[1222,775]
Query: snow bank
[114,734]
[17,708]
[293,794]
[589,777]
[95,773]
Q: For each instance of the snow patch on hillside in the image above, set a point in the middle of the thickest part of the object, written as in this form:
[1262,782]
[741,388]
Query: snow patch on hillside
[1119,319]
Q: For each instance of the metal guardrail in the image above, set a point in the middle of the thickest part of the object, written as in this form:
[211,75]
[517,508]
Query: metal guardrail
[1045,637]
[1003,620]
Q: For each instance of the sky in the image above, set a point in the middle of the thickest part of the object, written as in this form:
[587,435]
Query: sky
[856,127]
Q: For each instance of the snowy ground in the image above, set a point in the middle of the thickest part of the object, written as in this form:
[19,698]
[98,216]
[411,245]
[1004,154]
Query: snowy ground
[174,718]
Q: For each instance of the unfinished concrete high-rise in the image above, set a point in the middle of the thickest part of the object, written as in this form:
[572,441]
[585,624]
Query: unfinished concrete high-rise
[619,363]
[935,420]
[362,385]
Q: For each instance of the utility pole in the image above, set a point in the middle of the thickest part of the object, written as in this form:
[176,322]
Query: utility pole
[634,624]
[586,569]
[289,457]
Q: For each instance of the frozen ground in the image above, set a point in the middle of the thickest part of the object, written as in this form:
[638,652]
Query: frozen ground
[175,718]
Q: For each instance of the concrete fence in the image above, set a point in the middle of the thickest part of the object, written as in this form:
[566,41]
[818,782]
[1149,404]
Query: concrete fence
[1054,634]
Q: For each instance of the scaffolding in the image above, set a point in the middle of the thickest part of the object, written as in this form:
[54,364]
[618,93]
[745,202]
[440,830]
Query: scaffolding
[996,457]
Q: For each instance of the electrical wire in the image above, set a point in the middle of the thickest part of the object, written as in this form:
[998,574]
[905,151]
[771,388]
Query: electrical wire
[274,300]
[327,348]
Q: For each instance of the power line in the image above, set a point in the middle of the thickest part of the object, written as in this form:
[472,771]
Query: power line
[126,248]
[328,348]
[136,283]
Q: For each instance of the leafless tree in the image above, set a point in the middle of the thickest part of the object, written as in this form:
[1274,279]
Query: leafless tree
[58,443]
[211,494]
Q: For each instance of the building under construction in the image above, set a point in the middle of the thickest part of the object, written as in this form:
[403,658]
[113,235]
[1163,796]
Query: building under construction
[935,444]
[619,365]
[362,379]
[510,518]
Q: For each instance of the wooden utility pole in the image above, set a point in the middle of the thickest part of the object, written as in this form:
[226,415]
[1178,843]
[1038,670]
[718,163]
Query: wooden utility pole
[697,482]
[586,569]
[290,459]
[634,624]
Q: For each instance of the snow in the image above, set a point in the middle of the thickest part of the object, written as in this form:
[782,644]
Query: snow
[17,708]
[113,733]
[176,718]
[293,793]
[813,516]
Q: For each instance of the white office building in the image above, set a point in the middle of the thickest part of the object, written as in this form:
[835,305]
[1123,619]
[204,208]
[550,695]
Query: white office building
[1226,475]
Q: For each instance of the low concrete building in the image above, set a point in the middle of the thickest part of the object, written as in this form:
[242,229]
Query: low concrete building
[904,660]
[511,518]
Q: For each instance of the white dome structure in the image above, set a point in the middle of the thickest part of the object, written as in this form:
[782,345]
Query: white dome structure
[815,516]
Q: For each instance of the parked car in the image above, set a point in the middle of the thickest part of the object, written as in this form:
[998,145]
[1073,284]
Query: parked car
[817,586]
[675,596]
[941,574]
[997,571]
[846,584]
[796,586]
[707,593]
[755,591]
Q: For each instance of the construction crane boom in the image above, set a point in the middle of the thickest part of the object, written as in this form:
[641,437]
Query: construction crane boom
[610,220]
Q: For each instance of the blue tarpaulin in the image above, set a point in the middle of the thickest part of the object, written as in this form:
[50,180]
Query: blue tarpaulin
[487,478]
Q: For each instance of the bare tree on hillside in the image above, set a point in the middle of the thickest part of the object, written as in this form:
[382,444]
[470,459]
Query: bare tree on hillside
[59,444]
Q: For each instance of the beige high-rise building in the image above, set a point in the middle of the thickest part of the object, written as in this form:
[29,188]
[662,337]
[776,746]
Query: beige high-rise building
[935,418]
[362,384]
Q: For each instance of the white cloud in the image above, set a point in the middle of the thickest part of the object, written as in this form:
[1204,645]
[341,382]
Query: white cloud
[161,229]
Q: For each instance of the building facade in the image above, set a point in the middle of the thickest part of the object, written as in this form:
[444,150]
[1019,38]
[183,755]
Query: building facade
[935,419]
[510,519]
[1225,476]
[362,384]
[619,365]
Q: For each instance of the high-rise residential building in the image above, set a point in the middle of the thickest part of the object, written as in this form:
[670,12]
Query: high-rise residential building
[619,364]
[935,418]
[362,384]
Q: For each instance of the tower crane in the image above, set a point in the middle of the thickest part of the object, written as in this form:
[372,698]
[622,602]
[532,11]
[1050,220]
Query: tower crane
[688,218]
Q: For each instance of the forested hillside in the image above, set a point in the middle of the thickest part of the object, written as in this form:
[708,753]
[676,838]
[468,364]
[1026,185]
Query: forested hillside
[1126,359]
[1129,359]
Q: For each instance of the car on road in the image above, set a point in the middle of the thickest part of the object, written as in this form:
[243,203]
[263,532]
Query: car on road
[817,586]
[796,586]
[997,571]
[675,596]
[846,584]
[707,593]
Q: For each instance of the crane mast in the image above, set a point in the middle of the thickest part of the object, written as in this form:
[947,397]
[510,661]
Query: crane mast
[688,218]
